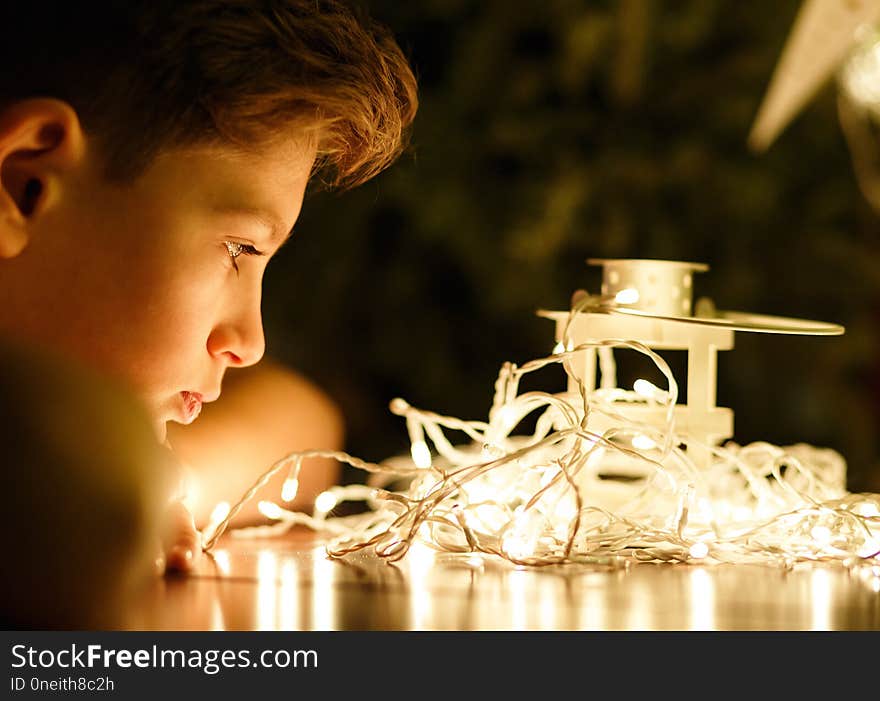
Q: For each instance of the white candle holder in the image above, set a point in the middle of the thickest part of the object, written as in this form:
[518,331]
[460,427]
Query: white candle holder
[651,301]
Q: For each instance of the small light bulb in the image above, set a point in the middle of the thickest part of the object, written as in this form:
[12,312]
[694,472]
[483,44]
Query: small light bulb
[325,502]
[866,508]
[507,415]
[649,390]
[698,550]
[644,388]
[518,546]
[630,295]
[821,533]
[270,509]
[564,512]
[421,456]
[288,491]
[548,475]
[220,512]
[558,348]
[642,442]
[869,547]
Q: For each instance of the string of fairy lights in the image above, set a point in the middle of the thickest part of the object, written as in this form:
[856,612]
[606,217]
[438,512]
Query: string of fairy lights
[566,493]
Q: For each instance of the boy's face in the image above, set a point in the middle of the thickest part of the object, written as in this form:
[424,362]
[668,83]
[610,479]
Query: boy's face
[158,282]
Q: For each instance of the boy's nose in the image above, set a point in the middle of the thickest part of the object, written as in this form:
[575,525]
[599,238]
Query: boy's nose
[239,341]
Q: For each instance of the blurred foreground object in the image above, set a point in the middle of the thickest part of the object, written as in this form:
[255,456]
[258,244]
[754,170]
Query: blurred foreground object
[85,483]
[858,108]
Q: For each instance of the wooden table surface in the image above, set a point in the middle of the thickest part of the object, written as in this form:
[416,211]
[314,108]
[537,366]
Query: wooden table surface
[288,583]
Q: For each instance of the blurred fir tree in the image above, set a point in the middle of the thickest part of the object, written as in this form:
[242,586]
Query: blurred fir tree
[556,130]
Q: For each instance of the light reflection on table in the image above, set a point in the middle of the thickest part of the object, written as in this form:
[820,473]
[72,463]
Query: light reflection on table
[288,583]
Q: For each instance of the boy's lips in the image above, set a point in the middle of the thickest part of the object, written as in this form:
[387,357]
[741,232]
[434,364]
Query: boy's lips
[191,406]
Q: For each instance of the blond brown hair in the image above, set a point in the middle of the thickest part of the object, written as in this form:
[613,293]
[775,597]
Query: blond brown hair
[146,75]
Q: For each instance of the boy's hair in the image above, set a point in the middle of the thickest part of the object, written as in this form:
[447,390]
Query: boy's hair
[146,75]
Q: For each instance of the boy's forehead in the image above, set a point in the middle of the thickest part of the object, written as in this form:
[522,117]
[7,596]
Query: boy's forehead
[263,216]
[281,146]
[289,158]
[265,184]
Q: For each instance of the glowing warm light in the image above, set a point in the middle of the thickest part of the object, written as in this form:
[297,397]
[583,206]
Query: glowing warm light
[221,559]
[288,596]
[290,488]
[558,348]
[642,442]
[702,600]
[270,509]
[485,489]
[822,534]
[866,508]
[475,561]
[601,479]
[645,388]
[325,502]
[859,75]
[649,390]
[698,550]
[820,597]
[421,456]
[420,559]
[506,416]
[219,512]
[549,475]
[628,296]
[869,548]
[640,610]
[218,621]
[267,594]
[519,600]
[563,513]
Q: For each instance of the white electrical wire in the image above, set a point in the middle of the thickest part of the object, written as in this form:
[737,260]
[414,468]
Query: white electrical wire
[568,494]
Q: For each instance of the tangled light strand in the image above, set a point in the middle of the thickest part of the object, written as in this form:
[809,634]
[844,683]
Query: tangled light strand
[568,494]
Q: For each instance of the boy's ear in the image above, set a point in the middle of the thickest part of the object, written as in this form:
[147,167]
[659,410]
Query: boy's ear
[40,138]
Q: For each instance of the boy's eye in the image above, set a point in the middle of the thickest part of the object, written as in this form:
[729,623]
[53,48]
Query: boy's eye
[235,249]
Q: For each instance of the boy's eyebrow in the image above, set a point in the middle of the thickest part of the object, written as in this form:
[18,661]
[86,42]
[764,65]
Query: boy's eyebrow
[277,234]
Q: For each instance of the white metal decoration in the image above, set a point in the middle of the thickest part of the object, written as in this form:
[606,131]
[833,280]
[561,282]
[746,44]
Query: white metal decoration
[820,42]
[652,301]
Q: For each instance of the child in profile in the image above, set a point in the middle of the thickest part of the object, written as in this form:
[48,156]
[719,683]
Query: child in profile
[154,156]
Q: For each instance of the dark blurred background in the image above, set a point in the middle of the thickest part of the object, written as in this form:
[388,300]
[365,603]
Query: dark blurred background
[556,130]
